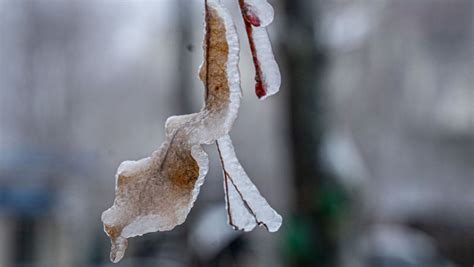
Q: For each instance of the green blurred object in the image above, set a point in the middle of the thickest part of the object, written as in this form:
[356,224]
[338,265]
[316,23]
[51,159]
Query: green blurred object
[331,202]
[298,242]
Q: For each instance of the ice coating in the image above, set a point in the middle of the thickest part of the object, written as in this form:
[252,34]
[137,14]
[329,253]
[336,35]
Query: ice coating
[246,208]
[268,77]
[157,193]
[257,14]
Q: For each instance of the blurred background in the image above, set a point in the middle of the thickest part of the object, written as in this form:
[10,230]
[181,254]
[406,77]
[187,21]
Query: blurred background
[367,151]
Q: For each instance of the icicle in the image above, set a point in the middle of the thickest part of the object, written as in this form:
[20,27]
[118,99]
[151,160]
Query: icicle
[257,15]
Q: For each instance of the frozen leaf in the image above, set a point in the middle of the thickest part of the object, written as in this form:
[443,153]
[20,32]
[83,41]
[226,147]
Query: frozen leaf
[157,193]
[246,208]
[257,15]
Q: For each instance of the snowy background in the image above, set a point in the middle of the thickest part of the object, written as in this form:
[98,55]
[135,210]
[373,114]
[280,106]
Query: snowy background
[367,151]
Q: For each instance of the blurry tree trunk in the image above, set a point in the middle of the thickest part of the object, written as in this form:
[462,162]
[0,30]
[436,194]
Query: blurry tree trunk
[305,63]
[311,238]
[184,67]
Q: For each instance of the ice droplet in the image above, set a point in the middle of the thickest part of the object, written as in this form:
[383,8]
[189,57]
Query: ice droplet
[119,245]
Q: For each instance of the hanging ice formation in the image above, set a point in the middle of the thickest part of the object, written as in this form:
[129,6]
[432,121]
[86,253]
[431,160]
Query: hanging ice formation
[157,193]
[257,15]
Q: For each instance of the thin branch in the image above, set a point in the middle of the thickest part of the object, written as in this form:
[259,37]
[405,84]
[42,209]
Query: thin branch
[226,188]
[259,88]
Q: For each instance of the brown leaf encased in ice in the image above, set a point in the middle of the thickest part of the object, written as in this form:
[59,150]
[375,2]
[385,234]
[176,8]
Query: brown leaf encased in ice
[157,193]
